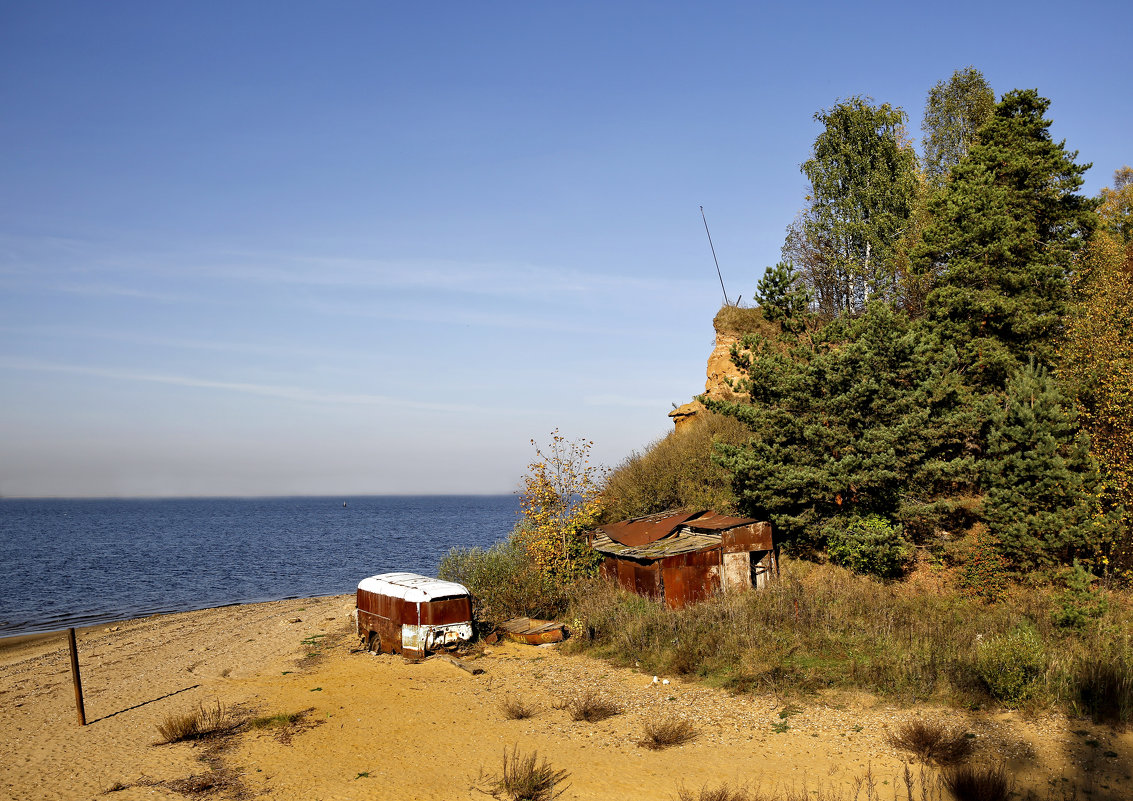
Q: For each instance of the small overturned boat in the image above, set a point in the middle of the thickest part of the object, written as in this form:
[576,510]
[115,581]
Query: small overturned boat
[532,631]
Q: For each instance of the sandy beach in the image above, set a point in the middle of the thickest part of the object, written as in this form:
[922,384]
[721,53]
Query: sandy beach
[381,727]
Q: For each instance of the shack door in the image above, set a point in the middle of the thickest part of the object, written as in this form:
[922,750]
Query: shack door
[688,585]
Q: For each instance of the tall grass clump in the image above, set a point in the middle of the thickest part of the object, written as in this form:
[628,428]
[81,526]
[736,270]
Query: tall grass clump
[525,778]
[967,783]
[1010,664]
[195,724]
[1095,674]
[676,471]
[591,707]
[504,582]
[932,741]
[666,733]
[515,708]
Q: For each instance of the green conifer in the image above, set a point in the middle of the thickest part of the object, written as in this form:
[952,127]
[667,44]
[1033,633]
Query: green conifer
[1039,476]
[1005,229]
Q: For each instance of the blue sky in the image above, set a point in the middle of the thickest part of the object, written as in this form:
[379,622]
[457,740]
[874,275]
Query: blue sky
[339,248]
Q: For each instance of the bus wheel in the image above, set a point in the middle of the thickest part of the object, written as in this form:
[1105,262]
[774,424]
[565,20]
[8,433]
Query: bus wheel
[374,643]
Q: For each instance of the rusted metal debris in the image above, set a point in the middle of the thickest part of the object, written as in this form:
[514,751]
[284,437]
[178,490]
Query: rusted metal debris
[533,632]
[683,557]
[409,614]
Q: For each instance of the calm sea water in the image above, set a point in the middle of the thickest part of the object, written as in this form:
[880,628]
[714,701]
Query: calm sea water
[76,562]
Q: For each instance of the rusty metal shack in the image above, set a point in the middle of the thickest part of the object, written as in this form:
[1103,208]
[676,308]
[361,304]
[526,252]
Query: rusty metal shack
[683,557]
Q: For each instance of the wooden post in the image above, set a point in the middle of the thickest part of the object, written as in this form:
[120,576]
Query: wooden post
[75,677]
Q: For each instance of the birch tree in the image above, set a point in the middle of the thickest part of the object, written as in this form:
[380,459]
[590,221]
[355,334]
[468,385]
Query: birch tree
[863,184]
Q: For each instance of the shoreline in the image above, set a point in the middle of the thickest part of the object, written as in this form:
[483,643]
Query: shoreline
[7,640]
[368,723]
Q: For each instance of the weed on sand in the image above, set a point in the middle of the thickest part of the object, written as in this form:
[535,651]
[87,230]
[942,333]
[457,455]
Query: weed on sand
[276,721]
[667,732]
[515,708]
[203,721]
[592,708]
[933,741]
[967,783]
[524,778]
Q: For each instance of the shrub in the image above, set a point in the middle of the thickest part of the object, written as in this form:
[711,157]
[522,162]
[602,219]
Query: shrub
[193,725]
[932,741]
[1010,663]
[504,582]
[983,572]
[561,499]
[870,545]
[1080,604]
[667,732]
[525,778]
[968,783]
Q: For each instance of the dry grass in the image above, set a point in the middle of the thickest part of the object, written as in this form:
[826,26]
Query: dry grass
[198,723]
[967,783]
[664,733]
[722,793]
[278,720]
[592,708]
[932,741]
[213,783]
[738,321]
[676,470]
[525,778]
[515,708]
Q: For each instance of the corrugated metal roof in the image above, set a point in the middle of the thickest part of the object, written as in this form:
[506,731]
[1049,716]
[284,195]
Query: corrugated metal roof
[716,522]
[644,530]
[685,542]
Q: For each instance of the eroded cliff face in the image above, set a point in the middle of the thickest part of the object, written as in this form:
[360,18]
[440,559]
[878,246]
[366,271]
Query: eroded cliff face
[719,367]
[731,325]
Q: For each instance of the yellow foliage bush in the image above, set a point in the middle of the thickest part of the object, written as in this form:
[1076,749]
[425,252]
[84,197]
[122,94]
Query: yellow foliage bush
[561,500]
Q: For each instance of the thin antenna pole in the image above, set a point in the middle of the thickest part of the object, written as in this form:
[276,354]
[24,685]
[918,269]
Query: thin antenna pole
[718,275]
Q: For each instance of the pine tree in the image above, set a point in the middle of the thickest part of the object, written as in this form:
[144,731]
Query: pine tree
[783,298]
[853,421]
[1005,230]
[1040,477]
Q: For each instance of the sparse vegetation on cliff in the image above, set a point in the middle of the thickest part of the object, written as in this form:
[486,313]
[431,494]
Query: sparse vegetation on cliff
[676,470]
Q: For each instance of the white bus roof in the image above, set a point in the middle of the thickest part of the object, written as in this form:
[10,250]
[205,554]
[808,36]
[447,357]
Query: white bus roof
[412,587]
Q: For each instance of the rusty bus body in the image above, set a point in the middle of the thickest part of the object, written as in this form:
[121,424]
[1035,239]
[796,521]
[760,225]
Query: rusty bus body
[408,614]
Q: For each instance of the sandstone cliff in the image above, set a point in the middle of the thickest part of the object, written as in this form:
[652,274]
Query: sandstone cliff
[731,325]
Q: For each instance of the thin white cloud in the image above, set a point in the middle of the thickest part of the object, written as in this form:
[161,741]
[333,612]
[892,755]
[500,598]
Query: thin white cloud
[215,346]
[434,275]
[509,279]
[109,290]
[297,394]
[625,401]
